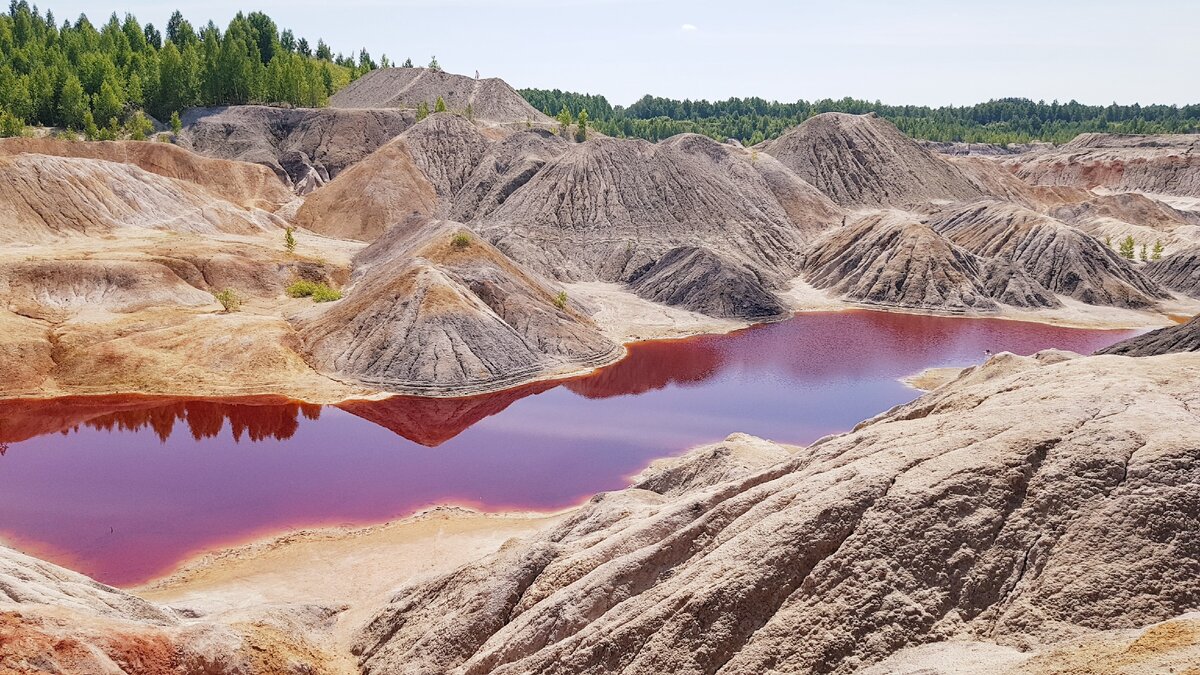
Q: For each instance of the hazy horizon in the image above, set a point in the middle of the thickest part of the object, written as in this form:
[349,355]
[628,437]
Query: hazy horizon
[931,52]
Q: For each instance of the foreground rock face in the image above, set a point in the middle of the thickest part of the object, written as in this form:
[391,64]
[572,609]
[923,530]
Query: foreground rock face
[1059,257]
[430,313]
[1172,339]
[1166,164]
[863,160]
[1030,501]
[490,99]
[304,147]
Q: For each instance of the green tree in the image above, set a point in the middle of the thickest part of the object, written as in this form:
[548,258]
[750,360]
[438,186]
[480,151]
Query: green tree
[1127,247]
[581,120]
[139,127]
[422,110]
[407,63]
[1144,256]
[440,105]
[72,104]
[11,125]
[1158,250]
[108,104]
[90,131]
[176,123]
[564,122]
[289,239]
[434,65]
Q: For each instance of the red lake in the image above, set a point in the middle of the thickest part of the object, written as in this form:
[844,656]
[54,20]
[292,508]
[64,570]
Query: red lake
[124,488]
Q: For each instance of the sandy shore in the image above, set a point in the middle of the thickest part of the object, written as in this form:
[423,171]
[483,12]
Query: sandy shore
[354,570]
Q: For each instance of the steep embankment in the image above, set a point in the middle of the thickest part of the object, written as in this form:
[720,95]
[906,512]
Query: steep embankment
[490,99]
[863,160]
[418,173]
[43,198]
[1128,214]
[891,259]
[305,147]
[1182,338]
[246,185]
[1178,272]
[435,310]
[1061,258]
[1029,502]
[1167,164]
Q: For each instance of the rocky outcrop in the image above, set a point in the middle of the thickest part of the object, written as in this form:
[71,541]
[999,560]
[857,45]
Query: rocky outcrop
[1172,339]
[505,167]
[305,147]
[699,280]
[490,99]
[607,208]
[864,160]
[1059,257]
[432,313]
[44,198]
[1166,164]
[890,259]
[1178,272]
[243,184]
[1030,501]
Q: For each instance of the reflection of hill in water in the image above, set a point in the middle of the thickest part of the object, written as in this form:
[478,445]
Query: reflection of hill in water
[253,419]
[651,366]
[433,421]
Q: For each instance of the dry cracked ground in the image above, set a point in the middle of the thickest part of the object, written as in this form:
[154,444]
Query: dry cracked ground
[1032,515]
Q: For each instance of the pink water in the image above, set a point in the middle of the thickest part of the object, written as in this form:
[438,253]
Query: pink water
[124,488]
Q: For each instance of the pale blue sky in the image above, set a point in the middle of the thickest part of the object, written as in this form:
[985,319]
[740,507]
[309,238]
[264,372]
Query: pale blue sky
[916,52]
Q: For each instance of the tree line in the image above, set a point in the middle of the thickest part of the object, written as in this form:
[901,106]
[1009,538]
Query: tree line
[77,75]
[752,120]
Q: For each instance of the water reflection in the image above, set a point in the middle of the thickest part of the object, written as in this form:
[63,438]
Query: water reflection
[124,487]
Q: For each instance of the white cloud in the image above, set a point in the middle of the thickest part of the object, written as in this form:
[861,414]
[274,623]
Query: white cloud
[688,28]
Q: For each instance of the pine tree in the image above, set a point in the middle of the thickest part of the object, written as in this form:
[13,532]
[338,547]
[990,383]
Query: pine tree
[139,127]
[1127,247]
[289,239]
[422,110]
[1144,255]
[564,122]
[176,123]
[90,131]
[581,120]
[440,105]
[1158,250]
[108,104]
[407,63]
[72,104]
[10,125]
[434,66]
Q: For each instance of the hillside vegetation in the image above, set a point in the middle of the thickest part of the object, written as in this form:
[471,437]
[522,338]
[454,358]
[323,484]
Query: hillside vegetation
[753,120]
[81,76]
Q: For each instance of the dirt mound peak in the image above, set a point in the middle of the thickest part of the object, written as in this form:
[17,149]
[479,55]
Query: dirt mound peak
[490,99]
[864,160]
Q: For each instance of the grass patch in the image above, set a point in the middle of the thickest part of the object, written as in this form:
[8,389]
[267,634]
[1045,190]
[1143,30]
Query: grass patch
[318,291]
[460,241]
[560,300]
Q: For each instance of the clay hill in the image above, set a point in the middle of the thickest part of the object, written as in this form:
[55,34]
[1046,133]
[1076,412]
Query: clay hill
[863,160]
[1060,258]
[434,309]
[490,99]
[245,185]
[891,259]
[305,147]
[1182,338]
[1166,164]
